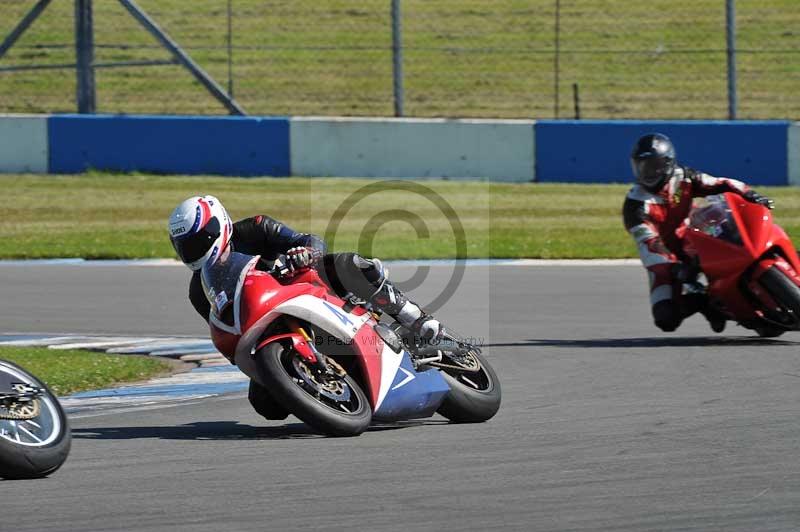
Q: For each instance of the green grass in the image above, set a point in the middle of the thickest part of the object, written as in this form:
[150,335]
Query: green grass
[71,371]
[476,58]
[124,216]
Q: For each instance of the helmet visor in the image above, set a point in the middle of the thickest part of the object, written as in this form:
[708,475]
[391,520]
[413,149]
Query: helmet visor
[653,171]
[192,247]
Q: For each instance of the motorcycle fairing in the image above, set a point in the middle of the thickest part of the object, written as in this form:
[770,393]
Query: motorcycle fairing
[411,393]
[395,389]
[724,262]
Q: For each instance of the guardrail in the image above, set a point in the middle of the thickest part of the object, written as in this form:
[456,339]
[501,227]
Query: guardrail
[760,152]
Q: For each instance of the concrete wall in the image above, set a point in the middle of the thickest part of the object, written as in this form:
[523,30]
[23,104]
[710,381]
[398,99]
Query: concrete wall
[501,150]
[793,151]
[23,143]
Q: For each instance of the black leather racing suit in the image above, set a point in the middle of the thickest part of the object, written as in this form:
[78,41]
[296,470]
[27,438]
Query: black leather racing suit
[344,272]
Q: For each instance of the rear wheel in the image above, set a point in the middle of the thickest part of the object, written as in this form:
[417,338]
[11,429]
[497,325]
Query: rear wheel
[332,404]
[768,331]
[34,434]
[474,395]
[785,292]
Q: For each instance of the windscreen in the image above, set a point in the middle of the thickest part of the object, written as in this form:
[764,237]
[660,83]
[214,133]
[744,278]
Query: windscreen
[221,280]
[712,216]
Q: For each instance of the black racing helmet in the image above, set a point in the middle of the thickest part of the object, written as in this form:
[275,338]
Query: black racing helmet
[653,161]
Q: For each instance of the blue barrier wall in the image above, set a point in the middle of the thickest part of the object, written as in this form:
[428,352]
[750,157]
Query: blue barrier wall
[241,146]
[589,151]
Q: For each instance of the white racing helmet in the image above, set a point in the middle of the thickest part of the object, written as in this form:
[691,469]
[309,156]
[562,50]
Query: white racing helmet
[200,229]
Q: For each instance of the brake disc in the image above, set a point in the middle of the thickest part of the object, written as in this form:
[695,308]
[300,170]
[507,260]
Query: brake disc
[20,410]
[27,406]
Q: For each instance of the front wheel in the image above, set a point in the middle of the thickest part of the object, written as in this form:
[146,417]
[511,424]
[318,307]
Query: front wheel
[332,404]
[785,292]
[34,433]
[474,395]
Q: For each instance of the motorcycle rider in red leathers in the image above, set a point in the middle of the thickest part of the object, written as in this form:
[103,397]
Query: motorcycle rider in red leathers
[655,214]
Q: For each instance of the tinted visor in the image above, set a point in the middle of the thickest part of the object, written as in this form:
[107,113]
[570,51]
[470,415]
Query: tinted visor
[192,247]
[653,171]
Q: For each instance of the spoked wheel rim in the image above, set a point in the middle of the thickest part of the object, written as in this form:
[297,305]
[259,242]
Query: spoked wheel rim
[332,391]
[34,423]
[467,370]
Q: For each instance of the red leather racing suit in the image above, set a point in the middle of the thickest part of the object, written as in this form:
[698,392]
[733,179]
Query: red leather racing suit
[657,222]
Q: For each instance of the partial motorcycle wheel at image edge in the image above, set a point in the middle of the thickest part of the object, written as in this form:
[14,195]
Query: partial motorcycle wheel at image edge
[35,437]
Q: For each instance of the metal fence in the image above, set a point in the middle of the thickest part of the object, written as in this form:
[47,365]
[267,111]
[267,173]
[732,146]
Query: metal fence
[666,59]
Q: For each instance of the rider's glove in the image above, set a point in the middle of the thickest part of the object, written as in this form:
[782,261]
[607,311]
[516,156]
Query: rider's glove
[754,197]
[301,257]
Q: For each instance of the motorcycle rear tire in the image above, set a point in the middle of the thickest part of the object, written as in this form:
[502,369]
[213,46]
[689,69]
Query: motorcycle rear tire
[26,462]
[464,404]
[768,331]
[299,402]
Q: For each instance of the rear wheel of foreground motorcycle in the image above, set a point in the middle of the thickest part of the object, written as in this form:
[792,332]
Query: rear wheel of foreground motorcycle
[24,461]
[767,331]
[264,404]
[473,397]
[782,289]
[276,366]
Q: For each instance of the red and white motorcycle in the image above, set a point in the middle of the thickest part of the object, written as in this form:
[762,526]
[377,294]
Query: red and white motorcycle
[330,362]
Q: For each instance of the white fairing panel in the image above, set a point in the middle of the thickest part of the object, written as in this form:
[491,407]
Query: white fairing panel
[335,320]
[330,318]
[390,363]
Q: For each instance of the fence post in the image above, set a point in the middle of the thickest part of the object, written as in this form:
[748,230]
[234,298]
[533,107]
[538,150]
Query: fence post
[230,48]
[397,58]
[84,52]
[557,59]
[730,31]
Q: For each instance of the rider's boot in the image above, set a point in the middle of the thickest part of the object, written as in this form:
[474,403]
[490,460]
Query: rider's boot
[697,301]
[715,319]
[389,299]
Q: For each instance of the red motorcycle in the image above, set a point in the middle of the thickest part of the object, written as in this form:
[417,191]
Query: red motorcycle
[749,262]
[330,361]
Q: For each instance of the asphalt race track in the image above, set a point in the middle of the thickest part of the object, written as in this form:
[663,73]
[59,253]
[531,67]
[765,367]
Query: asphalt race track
[607,423]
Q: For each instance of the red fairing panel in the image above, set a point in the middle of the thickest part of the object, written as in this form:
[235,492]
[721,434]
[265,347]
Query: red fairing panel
[368,346]
[262,292]
[225,342]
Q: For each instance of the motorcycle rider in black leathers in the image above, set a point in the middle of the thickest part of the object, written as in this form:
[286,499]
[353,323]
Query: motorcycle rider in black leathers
[200,231]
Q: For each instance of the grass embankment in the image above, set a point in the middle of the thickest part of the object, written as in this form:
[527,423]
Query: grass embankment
[71,371]
[99,216]
[462,58]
